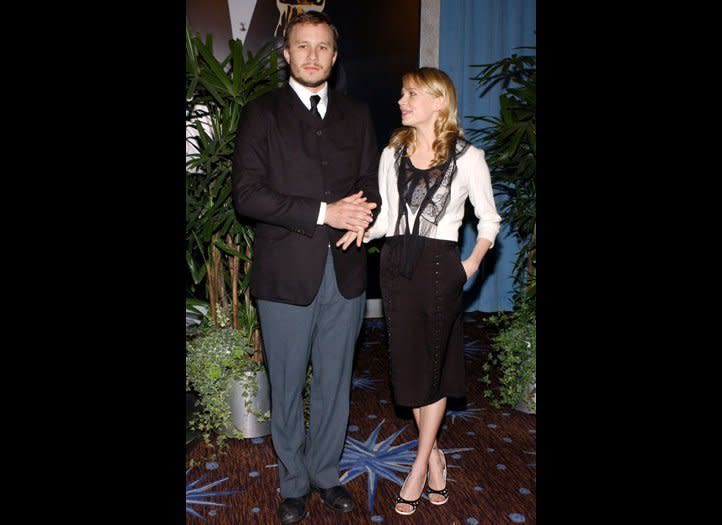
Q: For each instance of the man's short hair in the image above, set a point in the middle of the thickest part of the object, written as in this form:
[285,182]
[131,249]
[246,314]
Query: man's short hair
[311,17]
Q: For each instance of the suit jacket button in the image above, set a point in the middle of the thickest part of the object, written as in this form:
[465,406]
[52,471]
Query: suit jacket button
[327,193]
[319,132]
[324,163]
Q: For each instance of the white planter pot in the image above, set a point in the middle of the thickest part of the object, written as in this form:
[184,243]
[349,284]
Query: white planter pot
[525,405]
[374,308]
[246,421]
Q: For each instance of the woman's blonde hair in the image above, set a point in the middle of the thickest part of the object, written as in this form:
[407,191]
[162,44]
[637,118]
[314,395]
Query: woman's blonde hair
[446,128]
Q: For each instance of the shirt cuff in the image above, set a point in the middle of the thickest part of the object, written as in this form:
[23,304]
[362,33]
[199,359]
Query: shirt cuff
[488,235]
[321,214]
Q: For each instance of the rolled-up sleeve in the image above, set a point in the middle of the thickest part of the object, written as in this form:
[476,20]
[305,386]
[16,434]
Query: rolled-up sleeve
[481,196]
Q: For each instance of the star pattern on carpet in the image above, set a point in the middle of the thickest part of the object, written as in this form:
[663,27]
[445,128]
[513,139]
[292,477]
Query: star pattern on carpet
[199,495]
[465,415]
[474,349]
[364,382]
[376,459]
[381,460]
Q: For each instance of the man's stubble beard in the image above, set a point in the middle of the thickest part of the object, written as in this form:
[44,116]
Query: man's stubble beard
[308,84]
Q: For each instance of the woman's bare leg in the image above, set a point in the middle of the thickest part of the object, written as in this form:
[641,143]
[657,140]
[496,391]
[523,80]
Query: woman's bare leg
[428,419]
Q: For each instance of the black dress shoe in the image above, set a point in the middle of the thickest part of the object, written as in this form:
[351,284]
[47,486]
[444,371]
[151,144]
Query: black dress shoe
[337,498]
[293,510]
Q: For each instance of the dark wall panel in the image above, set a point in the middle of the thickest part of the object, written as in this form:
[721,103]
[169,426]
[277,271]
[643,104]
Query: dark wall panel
[379,42]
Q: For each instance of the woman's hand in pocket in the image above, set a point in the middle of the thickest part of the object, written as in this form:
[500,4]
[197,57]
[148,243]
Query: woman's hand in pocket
[470,267]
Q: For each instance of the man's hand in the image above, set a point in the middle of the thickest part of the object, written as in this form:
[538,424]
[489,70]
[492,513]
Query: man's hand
[348,238]
[351,213]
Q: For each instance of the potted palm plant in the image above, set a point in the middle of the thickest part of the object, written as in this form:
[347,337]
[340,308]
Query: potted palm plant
[224,354]
[510,146]
[219,247]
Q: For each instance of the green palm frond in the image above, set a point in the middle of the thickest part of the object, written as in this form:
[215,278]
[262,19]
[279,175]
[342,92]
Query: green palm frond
[509,141]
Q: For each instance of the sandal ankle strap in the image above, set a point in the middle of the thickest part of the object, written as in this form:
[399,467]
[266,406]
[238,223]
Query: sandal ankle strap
[414,503]
[443,492]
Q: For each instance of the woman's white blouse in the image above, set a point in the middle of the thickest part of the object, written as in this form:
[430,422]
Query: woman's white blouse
[472,180]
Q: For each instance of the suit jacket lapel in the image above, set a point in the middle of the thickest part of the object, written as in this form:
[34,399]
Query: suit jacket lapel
[298,110]
[334,113]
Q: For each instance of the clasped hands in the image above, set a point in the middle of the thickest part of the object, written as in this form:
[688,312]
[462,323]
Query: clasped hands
[353,214]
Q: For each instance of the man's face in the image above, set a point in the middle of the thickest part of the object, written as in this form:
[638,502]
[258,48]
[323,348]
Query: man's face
[311,55]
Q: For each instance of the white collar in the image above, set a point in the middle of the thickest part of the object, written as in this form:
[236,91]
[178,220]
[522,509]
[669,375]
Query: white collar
[305,94]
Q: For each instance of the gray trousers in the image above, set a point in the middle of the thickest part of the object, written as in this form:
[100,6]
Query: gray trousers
[324,331]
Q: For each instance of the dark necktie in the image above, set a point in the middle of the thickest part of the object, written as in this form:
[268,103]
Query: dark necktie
[315,99]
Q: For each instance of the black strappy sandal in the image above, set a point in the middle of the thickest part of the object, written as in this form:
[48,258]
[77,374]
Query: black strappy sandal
[443,492]
[412,503]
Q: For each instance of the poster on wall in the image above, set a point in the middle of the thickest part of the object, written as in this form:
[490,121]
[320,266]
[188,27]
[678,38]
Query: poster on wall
[256,22]
[379,42]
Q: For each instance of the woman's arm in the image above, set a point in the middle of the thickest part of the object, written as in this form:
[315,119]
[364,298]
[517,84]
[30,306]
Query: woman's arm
[481,196]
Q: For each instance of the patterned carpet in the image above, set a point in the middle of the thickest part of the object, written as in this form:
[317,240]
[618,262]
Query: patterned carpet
[491,455]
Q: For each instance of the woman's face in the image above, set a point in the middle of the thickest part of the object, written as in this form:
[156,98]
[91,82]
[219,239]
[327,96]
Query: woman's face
[418,107]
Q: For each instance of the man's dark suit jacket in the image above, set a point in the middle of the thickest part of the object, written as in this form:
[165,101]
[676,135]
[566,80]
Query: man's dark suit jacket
[285,163]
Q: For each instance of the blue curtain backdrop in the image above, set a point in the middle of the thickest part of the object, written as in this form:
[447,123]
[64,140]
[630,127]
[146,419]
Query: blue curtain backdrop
[479,32]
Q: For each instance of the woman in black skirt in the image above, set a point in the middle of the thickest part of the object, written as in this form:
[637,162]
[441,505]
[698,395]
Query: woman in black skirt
[426,174]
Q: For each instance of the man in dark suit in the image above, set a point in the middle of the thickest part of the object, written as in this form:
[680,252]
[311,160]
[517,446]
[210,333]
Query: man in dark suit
[305,168]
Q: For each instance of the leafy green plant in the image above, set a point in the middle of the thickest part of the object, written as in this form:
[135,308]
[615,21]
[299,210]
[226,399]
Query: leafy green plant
[226,344]
[514,359]
[509,142]
[215,357]
[510,146]
[218,245]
